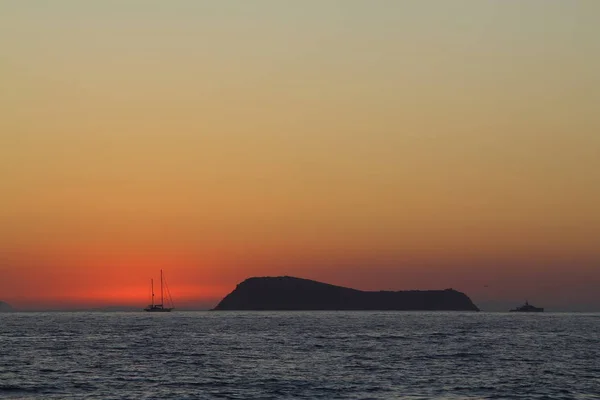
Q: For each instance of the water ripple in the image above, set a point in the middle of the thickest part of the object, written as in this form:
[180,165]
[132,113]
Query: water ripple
[312,355]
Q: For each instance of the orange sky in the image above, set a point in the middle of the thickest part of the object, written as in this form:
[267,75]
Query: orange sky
[379,145]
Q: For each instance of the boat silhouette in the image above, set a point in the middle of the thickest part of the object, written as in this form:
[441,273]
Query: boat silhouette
[160,307]
[527,308]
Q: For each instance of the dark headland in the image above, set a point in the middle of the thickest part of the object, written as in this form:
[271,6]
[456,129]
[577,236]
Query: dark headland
[289,293]
[5,307]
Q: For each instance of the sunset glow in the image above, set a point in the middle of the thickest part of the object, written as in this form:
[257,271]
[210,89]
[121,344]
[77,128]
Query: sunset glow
[379,145]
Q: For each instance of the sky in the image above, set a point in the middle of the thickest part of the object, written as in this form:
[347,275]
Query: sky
[381,145]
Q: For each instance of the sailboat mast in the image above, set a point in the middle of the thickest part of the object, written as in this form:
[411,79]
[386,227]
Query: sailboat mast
[152,285]
[162,301]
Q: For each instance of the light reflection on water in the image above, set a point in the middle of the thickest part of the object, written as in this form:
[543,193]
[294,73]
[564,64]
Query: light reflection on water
[378,355]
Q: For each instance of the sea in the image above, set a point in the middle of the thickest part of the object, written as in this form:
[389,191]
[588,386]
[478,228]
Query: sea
[299,355]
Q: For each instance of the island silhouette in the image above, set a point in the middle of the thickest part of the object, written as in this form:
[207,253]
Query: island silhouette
[5,307]
[290,293]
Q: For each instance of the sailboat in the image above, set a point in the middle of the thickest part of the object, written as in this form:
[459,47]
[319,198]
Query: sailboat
[160,307]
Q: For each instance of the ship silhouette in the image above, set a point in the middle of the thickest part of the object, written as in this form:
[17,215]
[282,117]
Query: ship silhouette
[527,308]
[160,307]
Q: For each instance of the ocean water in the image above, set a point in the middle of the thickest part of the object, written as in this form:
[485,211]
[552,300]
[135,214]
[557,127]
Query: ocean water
[299,355]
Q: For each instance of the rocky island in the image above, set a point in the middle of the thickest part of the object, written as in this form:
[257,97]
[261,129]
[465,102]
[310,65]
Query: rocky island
[5,307]
[289,293]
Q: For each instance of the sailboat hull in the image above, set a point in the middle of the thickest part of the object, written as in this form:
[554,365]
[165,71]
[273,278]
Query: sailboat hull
[157,309]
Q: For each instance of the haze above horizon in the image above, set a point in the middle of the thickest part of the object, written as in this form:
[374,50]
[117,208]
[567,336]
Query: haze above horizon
[378,145]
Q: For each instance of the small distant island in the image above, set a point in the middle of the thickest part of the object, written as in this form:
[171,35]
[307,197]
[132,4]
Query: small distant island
[287,293]
[5,307]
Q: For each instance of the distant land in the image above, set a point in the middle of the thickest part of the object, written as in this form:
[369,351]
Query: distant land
[289,293]
[5,307]
[118,309]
